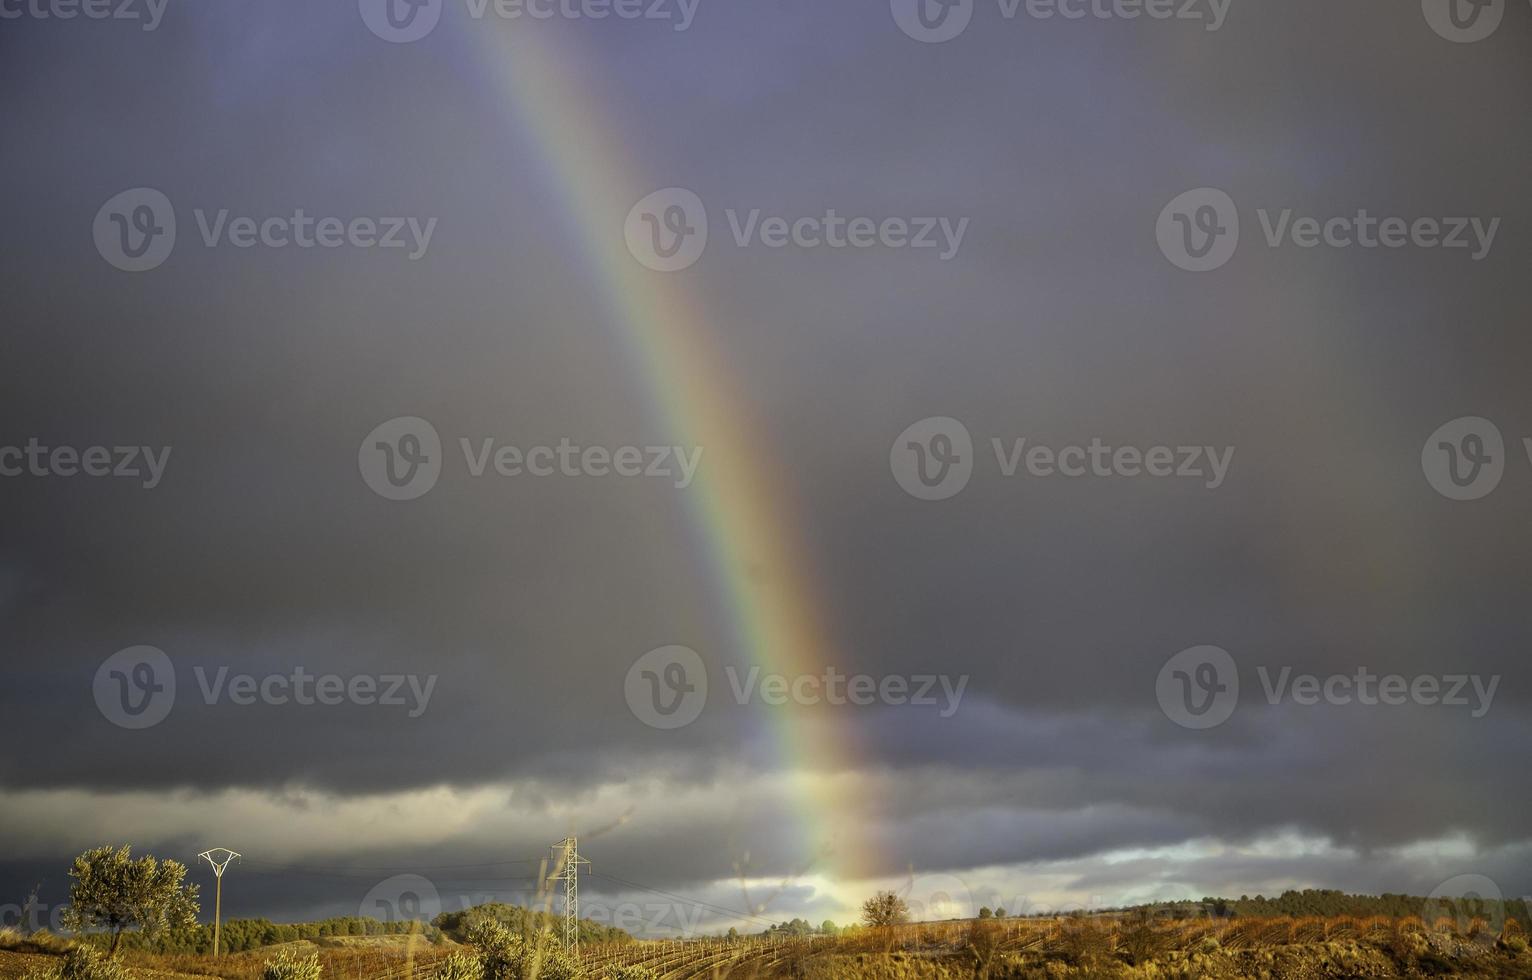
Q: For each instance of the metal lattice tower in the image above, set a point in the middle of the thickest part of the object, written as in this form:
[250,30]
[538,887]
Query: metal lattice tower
[219,858]
[567,869]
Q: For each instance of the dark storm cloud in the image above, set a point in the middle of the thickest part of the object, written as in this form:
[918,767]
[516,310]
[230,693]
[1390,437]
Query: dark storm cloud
[1058,321]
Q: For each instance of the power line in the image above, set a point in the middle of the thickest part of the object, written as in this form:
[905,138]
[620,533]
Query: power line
[417,869]
[568,870]
[568,862]
[219,858]
[707,906]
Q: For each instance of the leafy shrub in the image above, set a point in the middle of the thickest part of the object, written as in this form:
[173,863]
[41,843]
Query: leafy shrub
[80,963]
[503,955]
[634,972]
[89,963]
[290,966]
[460,966]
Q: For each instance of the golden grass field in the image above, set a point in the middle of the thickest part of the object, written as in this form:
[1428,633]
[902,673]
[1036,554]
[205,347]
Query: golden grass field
[1084,947]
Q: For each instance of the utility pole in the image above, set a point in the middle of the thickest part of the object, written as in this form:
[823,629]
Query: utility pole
[219,858]
[568,870]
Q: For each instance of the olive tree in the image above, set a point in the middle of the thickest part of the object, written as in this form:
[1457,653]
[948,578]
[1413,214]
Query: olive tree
[112,891]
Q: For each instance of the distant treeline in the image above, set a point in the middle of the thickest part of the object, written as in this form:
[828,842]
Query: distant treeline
[524,921]
[1330,903]
[239,935]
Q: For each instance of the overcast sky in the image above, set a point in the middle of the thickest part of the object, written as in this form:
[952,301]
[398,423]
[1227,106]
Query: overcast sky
[1061,775]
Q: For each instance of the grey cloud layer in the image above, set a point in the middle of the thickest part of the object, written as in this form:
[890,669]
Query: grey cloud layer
[1058,321]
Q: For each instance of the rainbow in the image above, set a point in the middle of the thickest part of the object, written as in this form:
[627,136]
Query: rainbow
[746,532]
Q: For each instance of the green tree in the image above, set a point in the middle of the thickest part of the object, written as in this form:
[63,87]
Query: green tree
[885,909]
[1000,912]
[113,891]
[828,927]
[986,912]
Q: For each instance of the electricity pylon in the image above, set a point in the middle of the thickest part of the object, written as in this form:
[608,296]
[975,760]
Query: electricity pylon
[567,870]
[219,858]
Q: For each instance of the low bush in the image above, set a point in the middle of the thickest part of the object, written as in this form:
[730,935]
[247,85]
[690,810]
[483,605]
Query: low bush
[290,966]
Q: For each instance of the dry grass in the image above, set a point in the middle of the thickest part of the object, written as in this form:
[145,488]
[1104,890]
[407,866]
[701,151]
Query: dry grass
[1107,946]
